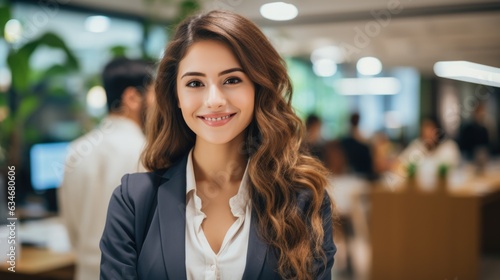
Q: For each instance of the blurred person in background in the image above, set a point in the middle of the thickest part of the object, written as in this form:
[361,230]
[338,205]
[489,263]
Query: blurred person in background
[474,136]
[313,140]
[430,151]
[357,152]
[383,153]
[334,157]
[97,160]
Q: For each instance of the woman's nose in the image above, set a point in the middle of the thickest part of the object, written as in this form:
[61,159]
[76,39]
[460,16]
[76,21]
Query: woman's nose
[215,98]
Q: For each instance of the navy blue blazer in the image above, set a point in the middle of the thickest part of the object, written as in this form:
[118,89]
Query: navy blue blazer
[145,242]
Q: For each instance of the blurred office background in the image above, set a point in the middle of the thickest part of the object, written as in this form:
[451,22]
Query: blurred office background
[386,63]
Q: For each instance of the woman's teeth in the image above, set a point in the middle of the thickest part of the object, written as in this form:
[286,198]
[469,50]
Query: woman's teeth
[217,119]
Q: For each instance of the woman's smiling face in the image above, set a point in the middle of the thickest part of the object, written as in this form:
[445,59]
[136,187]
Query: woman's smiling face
[215,95]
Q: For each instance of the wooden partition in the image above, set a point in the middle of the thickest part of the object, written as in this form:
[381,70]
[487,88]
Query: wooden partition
[424,235]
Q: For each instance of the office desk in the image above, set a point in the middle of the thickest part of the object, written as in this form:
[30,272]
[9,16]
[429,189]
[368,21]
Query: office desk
[37,263]
[419,235]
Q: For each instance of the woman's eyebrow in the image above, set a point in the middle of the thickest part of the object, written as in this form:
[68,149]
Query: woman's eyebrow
[220,74]
[193,74]
[230,71]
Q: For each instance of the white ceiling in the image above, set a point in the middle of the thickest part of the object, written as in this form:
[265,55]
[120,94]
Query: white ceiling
[423,32]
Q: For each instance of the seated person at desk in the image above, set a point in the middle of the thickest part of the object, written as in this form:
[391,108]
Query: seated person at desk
[111,151]
[430,151]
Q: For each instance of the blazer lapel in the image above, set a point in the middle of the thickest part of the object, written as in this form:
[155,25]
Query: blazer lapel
[257,251]
[172,216]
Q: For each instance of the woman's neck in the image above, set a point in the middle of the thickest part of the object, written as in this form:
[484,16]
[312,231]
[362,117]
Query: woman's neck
[219,163]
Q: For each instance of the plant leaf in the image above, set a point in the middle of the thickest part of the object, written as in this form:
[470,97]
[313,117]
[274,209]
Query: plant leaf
[19,61]
[55,70]
[6,127]
[118,51]
[27,107]
[31,134]
[19,66]
[5,16]
[52,40]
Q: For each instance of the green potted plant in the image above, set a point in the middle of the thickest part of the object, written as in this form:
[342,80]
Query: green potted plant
[411,173]
[442,182]
[24,97]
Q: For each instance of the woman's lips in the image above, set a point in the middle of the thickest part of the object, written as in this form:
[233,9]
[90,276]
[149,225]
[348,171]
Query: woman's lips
[217,119]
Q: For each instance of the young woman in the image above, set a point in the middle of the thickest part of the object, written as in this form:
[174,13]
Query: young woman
[231,194]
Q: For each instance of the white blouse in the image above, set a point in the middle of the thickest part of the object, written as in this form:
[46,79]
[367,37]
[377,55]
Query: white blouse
[230,261]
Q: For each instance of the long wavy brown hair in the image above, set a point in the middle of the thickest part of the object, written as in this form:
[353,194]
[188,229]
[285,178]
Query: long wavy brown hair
[278,165]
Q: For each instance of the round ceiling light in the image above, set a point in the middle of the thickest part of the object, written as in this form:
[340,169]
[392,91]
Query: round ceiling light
[97,24]
[96,97]
[279,11]
[369,66]
[324,67]
[13,31]
[329,52]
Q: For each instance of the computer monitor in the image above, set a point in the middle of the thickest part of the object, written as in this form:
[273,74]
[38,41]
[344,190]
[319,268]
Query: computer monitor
[47,164]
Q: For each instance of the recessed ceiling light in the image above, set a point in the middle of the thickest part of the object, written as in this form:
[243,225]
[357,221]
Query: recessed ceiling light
[97,24]
[368,86]
[324,67]
[369,66]
[279,11]
[13,31]
[96,97]
[468,72]
[329,52]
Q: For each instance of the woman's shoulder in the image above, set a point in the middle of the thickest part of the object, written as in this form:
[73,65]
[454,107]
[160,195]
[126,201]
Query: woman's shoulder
[141,178]
[138,186]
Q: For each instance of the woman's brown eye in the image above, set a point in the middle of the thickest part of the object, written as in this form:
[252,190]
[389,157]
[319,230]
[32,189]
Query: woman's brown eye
[232,81]
[194,84]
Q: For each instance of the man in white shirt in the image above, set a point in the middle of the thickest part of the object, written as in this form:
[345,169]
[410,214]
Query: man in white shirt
[97,160]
